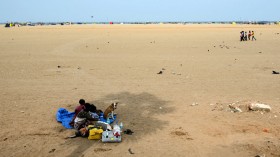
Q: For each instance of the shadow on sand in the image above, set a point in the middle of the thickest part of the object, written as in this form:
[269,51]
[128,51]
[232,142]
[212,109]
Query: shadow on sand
[138,112]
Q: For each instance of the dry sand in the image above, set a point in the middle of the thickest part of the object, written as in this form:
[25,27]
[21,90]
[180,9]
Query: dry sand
[103,63]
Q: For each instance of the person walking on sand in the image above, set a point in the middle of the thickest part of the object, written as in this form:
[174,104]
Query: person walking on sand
[253,36]
[245,36]
[242,36]
[249,35]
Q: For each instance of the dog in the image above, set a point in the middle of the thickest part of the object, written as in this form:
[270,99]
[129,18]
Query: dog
[110,110]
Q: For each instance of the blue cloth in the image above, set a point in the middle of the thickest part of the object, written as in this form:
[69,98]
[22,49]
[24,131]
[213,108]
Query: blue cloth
[101,118]
[63,116]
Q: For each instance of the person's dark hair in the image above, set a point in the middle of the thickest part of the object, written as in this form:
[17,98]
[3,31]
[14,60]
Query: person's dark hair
[92,108]
[87,107]
[82,101]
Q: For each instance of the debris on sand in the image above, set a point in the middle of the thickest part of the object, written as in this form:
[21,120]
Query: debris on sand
[259,107]
[160,72]
[58,66]
[97,150]
[130,151]
[242,106]
[234,108]
[51,151]
[275,72]
[128,132]
[260,156]
[194,104]
[222,46]
[265,130]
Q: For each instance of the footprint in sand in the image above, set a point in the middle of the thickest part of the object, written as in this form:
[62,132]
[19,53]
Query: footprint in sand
[180,132]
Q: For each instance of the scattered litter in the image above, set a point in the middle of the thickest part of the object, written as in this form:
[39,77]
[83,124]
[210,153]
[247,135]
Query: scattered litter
[259,107]
[275,72]
[129,150]
[73,136]
[242,106]
[128,132]
[194,104]
[51,151]
[97,150]
[266,130]
[234,108]
[160,72]
[260,155]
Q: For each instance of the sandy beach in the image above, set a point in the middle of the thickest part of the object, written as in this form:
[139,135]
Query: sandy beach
[181,112]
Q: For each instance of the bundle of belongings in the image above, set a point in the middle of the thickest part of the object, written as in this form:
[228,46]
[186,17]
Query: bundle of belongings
[91,123]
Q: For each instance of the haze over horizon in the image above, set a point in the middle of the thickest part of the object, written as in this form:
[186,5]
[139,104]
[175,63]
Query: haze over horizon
[138,11]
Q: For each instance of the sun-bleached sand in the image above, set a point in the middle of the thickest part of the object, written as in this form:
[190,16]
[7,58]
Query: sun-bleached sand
[204,65]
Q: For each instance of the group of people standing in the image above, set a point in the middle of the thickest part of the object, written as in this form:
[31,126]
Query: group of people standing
[244,36]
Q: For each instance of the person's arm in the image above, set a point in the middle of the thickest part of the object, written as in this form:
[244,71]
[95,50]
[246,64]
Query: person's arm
[72,121]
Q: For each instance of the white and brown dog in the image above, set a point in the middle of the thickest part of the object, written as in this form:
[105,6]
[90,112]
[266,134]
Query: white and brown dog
[110,110]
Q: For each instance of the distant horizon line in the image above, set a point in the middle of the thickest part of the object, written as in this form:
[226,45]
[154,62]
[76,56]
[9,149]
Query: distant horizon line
[127,22]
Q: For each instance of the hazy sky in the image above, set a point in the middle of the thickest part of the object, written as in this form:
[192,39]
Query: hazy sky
[138,10]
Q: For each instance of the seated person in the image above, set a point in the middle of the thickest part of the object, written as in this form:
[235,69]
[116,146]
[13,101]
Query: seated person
[78,109]
[84,118]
